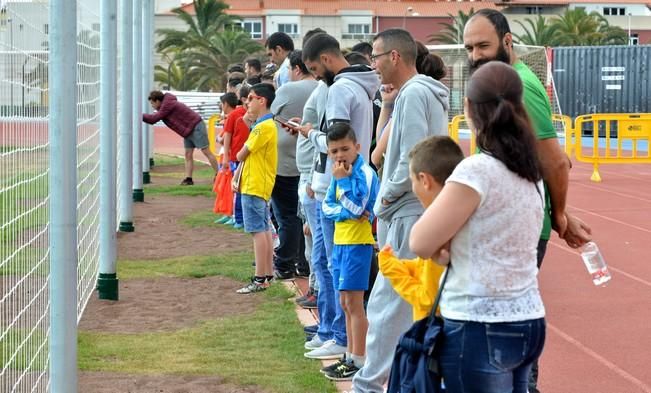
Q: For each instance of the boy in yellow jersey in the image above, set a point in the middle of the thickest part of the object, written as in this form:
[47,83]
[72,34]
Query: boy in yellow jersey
[259,158]
[431,163]
[349,203]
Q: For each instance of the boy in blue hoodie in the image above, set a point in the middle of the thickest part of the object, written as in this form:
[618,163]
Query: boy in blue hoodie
[349,203]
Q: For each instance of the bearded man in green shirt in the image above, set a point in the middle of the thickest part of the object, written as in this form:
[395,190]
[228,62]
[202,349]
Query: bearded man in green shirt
[487,37]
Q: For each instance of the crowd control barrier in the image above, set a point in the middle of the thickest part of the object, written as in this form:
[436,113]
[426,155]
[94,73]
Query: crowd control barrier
[612,138]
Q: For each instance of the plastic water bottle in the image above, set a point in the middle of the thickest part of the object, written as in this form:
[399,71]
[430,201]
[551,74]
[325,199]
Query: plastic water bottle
[274,235]
[595,264]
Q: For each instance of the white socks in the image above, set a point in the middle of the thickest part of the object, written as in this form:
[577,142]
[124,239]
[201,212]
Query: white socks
[358,360]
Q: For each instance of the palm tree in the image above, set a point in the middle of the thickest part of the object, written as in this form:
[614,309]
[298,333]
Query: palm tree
[578,28]
[208,64]
[611,35]
[209,18]
[452,32]
[175,77]
[212,41]
[536,32]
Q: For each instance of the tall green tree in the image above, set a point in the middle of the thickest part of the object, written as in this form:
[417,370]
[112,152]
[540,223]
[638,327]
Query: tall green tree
[212,41]
[175,76]
[578,28]
[210,18]
[537,32]
[452,32]
[208,65]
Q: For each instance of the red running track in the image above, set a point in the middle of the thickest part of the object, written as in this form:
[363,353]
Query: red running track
[598,338]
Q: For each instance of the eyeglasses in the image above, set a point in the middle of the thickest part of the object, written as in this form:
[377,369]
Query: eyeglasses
[253,96]
[374,57]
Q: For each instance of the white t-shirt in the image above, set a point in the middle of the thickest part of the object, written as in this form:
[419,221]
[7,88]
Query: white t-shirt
[493,274]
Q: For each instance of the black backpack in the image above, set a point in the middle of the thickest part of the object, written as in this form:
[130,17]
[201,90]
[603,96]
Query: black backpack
[415,367]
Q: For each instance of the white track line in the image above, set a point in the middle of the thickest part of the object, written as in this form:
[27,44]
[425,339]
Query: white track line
[605,189]
[608,364]
[611,219]
[620,271]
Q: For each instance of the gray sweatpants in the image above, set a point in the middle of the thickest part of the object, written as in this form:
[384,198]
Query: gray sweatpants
[388,314]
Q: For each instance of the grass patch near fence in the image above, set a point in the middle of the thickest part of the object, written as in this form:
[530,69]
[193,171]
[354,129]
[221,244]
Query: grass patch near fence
[264,348]
[166,159]
[232,265]
[201,171]
[196,190]
[28,349]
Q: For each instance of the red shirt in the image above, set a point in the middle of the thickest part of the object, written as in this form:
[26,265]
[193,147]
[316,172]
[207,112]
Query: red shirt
[236,126]
[229,123]
[175,115]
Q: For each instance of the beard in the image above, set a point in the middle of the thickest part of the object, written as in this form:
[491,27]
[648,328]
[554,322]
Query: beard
[328,77]
[501,55]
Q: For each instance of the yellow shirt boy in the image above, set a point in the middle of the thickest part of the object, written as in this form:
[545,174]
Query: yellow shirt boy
[259,172]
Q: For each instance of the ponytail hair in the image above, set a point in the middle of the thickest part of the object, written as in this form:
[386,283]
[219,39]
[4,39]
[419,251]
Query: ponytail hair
[429,64]
[498,115]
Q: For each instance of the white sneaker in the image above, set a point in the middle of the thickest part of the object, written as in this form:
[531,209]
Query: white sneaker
[329,350]
[314,343]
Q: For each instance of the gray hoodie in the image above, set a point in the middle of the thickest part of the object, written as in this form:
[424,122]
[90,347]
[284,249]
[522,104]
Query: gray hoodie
[420,111]
[313,111]
[350,99]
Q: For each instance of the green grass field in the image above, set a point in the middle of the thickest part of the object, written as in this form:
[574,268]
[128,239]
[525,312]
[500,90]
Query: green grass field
[263,348]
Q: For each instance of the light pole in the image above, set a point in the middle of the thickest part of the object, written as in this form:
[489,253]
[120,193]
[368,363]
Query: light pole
[11,61]
[404,17]
[410,11]
[629,28]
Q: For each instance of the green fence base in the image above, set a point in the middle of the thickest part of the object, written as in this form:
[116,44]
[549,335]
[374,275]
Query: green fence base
[138,195]
[146,178]
[151,162]
[107,286]
[126,227]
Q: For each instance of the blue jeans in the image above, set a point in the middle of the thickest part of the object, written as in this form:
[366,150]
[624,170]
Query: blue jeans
[328,231]
[237,197]
[237,210]
[490,357]
[326,296]
[256,214]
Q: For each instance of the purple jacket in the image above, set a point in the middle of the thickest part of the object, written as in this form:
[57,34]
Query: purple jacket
[176,115]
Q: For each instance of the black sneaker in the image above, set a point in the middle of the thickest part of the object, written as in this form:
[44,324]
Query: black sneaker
[284,275]
[187,182]
[333,366]
[344,372]
[304,274]
[311,328]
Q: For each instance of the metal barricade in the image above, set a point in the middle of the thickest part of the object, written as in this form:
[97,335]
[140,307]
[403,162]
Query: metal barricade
[615,138]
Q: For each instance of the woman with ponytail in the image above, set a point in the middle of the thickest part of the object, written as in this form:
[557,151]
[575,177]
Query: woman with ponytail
[489,214]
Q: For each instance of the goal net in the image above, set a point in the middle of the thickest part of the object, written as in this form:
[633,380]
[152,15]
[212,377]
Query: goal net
[456,61]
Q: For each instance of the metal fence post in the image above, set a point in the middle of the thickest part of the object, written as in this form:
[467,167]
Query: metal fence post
[107,282]
[62,82]
[147,80]
[138,194]
[126,118]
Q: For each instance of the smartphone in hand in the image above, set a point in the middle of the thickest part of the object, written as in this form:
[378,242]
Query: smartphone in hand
[291,125]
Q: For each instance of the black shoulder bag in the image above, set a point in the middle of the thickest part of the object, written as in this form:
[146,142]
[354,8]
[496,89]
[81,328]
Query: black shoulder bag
[415,367]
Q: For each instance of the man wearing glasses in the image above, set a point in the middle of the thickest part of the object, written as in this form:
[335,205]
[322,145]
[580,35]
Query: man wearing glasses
[420,111]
